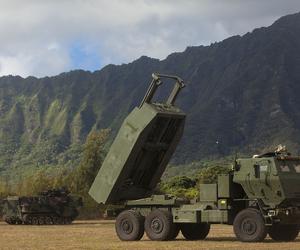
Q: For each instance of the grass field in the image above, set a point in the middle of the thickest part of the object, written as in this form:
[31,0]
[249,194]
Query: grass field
[101,235]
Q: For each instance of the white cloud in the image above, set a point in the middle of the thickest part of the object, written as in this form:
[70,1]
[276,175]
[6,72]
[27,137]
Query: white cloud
[13,65]
[37,36]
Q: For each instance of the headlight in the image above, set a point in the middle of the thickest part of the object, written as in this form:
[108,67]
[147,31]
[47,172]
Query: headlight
[271,213]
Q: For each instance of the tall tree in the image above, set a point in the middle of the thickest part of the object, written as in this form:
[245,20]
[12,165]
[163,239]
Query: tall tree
[91,161]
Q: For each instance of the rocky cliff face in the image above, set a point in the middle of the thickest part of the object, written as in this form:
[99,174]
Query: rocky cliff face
[242,92]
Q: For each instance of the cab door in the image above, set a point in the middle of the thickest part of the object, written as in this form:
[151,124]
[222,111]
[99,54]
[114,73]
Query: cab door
[268,185]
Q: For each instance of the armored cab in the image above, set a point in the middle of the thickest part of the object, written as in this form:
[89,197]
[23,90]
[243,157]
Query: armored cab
[49,207]
[142,148]
[274,179]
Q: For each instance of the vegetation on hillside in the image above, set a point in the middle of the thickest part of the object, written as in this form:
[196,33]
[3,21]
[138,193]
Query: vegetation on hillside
[241,95]
[77,181]
[80,179]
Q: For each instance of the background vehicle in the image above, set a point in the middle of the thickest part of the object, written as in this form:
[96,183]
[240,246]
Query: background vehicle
[260,196]
[50,207]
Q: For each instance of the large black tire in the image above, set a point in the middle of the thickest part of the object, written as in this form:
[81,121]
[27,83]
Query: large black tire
[249,226]
[193,231]
[130,225]
[280,232]
[159,226]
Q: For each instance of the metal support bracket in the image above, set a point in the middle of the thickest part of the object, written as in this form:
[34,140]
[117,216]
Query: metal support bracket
[156,82]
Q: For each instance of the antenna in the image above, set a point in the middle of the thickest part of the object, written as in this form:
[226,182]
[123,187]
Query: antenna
[235,166]
[235,155]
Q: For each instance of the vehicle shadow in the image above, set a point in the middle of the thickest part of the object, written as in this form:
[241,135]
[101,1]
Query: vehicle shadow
[232,238]
[93,222]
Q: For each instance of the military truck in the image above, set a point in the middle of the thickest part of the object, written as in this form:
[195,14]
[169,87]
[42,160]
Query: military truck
[50,207]
[259,196]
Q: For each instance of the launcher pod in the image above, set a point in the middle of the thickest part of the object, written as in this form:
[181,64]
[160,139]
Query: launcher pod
[142,148]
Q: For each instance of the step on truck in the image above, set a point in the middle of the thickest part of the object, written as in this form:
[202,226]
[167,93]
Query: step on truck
[259,196]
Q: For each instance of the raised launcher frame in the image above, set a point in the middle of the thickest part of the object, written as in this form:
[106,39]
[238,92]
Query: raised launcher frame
[142,148]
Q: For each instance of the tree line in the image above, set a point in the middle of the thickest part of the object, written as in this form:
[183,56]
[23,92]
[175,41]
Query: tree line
[79,180]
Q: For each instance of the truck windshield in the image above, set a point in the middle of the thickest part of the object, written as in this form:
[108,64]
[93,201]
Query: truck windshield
[297,168]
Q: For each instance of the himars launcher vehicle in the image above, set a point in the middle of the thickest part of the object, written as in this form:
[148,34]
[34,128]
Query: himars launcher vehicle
[260,196]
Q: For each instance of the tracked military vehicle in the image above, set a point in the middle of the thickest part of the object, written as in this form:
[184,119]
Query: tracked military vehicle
[48,208]
[260,195]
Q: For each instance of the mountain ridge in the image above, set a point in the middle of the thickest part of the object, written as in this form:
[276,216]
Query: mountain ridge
[241,92]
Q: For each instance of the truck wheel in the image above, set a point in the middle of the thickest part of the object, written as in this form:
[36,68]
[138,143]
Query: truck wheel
[159,225]
[249,226]
[193,231]
[130,225]
[281,232]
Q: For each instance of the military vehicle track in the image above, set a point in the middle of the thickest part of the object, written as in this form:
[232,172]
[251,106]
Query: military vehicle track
[40,220]
[52,207]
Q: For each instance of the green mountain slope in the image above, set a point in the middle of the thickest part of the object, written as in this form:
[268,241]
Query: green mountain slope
[241,92]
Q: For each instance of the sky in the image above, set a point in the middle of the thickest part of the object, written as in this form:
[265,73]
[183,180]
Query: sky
[47,37]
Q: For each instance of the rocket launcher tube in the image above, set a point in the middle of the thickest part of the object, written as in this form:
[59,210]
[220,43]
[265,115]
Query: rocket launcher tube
[141,150]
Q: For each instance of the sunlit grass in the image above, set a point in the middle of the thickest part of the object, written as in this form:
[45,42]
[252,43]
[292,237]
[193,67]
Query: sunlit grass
[101,235]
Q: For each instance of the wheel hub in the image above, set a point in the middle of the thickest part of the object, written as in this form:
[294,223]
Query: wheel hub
[249,226]
[126,226]
[157,225]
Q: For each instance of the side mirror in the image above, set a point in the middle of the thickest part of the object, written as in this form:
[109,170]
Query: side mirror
[236,166]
